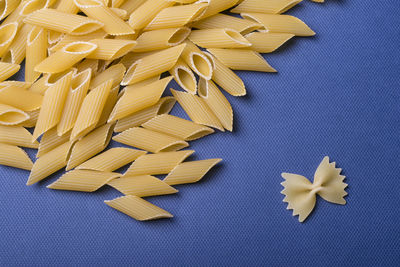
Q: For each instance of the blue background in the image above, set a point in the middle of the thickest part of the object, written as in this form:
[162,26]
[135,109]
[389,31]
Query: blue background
[336,94]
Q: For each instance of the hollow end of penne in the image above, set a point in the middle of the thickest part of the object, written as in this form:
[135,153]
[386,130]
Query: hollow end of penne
[184,76]
[11,116]
[219,38]
[201,65]
[7,34]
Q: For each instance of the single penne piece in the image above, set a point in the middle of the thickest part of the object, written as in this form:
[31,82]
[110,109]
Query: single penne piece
[36,52]
[49,163]
[197,61]
[132,57]
[67,6]
[280,23]
[7,35]
[160,39]
[91,109]
[7,70]
[176,16]
[90,145]
[16,51]
[31,122]
[157,164]
[121,13]
[190,171]
[241,59]
[14,156]
[142,186]
[24,85]
[7,7]
[83,180]
[318,1]
[115,72]
[67,39]
[52,105]
[150,140]
[217,102]
[20,98]
[184,76]
[265,6]
[265,42]
[222,21]
[76,95]
[144,13]
[54,37]
[110,49]
[178,127]
[34,5]
[96,9]
[17,136]
[164,105]
[55,20]
[138,208]
[215,7]
[112,159]
[218,38]
[196,108]
[11,116]
[109,106]
[85,64]
[135,99]
[51,140]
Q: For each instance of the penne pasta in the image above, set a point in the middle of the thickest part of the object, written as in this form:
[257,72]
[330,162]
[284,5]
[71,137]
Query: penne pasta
[197,109]
[110,49]
[177,127]
[280,23]
[142,186]
[66,57]
[14,156]
[53,38]
[157,164]
[83,180]
[31,122]
[115,72]
[222,21]
[218,38]
[34,5]
[163,106]
[265,6]
[265,42]
[67,6]
[85,64]
[7,35]
[76,95]
[108,106]
[7,7]
[176,16]
[52,105]
[135,98]
[160,39]
[128,5]
[118,3]
[138,208]
[90,145]
[55,20]
[51,140]
[17,136]
[217,102]
[49,163]
[96,9]
[14,96]
[7,70]
[241,59]
[121,13]
[197,61]
[11,116]
[91,109]
[49,79]
[190,172]
[68,39]
[149,140]
[216,6]
[36,52]
[16,51]
[144,13]
[184,76]
[318,1]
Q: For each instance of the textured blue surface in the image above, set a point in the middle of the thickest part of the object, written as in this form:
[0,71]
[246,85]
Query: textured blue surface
[336,94]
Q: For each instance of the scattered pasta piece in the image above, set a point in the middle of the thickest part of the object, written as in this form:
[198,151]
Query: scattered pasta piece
[12,116]
[14,156]
[265,6]
[17,136]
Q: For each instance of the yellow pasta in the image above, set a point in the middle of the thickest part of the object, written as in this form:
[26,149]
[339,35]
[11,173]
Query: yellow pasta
[15,16]
[138,208]
[14,96]
[67,39]
[93,143]
[63,22]
[190,172]
[156,164]
[197,109]
[144,13]
[67,6]
[225,21]
[137,98]
[153,65]
[160,39]
[7,35]
[149,140]
[217,102]
[142,186]
[51,140]
[53,38]
[108,106]
[36,51]
[83,180]
[91,109]
[184,76]
[96,9]
[118,3]
[110,49]
[49,163]
[49,79]
[265,6]
[121,13]
[176,16]
[11,116]
[7,7]
[85,64]
[241,59]
[280,23]
[66,57]
[76,95]
[14,156]
[115,72]
[265,42]
[197,61]
[16,51]
[318,1]
[17,136]
[178,127]
[31,122]
[164,105]
[52,106]
[216,6]
[218,38]
[7,70]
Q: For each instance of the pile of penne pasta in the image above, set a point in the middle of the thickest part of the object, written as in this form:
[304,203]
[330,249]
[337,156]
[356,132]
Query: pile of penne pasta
[77,55]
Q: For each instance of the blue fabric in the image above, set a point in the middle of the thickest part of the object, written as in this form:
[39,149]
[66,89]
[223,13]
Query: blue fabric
[336,94]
